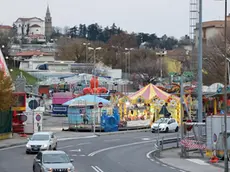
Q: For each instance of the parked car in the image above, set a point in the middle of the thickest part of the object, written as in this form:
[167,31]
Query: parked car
[52,161]
[41,141]
[165,125]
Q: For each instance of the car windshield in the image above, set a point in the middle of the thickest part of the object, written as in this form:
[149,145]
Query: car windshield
[40,137]
[55,158]
[162,120]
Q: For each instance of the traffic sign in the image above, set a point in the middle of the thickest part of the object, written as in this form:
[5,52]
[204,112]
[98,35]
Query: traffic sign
[23,118]
[33,104]
[189,128]
[38,117]
[100,104]
[214,137]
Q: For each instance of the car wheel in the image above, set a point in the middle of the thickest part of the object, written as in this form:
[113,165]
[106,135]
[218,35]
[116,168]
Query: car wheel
[177,129]
[50,148]
[153,131]
[27,152]
[33,168]
[55,148]
[167,130]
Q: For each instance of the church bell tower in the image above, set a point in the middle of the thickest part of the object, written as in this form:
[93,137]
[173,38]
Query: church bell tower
[48,24]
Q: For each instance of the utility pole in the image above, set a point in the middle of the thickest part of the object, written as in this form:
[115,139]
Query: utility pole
[182,113]
[225,89]
[200,79]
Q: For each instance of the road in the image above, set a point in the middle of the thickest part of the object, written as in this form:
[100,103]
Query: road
[111,153]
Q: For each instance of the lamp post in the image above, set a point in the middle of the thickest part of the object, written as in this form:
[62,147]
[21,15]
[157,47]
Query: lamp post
[200,66]
[94,73]
[128,63]
[225,90]
[226,73]
[86,51]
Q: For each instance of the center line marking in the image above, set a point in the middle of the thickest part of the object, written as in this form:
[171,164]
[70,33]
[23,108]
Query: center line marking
[86,143]
[112,140]
[63,147]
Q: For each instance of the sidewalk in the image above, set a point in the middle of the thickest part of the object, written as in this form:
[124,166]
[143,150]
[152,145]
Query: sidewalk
[16,140]
[195,163]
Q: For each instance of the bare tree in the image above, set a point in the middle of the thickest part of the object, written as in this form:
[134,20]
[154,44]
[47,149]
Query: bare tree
[213,60]
[147,66]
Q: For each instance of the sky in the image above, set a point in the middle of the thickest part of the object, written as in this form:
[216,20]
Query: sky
[170,17]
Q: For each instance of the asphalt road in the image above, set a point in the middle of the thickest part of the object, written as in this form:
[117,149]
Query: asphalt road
[112,153]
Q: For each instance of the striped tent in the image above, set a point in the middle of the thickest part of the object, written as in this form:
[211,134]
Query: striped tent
[149,92]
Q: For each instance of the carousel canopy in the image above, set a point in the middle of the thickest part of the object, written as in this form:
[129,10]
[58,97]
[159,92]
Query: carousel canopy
[150,92]
[87,100]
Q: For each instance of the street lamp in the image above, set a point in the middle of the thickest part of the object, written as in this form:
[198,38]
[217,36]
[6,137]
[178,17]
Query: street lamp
[226,66]
[86,52]
[94,73]
[200,66]
[225,90]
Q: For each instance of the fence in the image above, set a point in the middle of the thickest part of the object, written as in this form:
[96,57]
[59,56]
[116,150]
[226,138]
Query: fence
[5,122]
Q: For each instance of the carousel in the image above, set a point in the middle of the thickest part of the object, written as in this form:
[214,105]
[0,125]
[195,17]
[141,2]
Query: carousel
[148,105]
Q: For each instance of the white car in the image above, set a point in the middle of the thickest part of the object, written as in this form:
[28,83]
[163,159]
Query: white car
[41,141]
[165,125]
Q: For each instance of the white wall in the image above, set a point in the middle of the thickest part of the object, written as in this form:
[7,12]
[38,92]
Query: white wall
[31,22]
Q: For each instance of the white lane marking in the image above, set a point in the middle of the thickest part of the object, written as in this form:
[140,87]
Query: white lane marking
[86,143]
[112,140]
[164,165]
[96,168]
[99,169]
[197,161]
[145,139]
[73,155]
[157,162]
[181,170]
[63,147]
[81,155]
[120,146]
[149,153]
[76,150]
[172,168]
[61,140]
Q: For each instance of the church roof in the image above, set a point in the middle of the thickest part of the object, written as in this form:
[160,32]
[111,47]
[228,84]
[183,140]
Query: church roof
[28,19]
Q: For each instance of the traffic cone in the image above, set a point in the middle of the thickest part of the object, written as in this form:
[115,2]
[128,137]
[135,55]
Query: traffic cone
[214,159]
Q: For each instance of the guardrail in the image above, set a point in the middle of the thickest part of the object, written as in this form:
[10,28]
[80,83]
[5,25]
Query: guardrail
[159,144]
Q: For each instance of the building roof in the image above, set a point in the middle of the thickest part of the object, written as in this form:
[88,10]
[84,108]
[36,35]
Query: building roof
[214,23]
[35,25]
[5,27]
[32,53]
[28,19]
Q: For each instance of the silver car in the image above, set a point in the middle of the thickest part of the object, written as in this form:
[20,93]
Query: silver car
[52,161]
[41,141]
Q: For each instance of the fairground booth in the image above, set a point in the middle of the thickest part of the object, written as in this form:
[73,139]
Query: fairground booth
[84,110]
[148,105]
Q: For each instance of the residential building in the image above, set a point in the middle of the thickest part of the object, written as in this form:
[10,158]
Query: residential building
[210,29]
[5,29]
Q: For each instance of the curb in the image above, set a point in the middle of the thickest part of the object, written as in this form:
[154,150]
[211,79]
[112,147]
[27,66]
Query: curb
[153,155]
[122,132]
[60,140]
